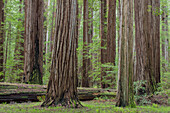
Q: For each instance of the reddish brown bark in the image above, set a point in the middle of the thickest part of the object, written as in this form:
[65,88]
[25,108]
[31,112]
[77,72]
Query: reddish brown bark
[62,89]
[111,36]
[2,77]
[33,41]
[103,34]
[85,77]
[147,36]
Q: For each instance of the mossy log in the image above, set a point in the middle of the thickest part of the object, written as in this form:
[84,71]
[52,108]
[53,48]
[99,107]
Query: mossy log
[10,92]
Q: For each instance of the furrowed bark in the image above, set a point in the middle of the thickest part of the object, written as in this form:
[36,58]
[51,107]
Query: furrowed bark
[125,72]
[103,34]
[33,41]
[62,86]
[147,43]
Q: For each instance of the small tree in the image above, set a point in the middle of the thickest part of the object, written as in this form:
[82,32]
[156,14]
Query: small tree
[2,78]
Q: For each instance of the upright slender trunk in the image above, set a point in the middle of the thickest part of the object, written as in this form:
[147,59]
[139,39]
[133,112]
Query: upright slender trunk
[47,34]
[85,78]
[103,34]
[111,37]
[33,41]
[2,77]
[90,36]
[125,74]
[165,38]
[52,30]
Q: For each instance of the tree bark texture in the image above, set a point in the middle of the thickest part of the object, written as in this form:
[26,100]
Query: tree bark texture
[90,36]
[103,34]
[111,36]
[85,77]
[125,73]
[62,89]
[165,39]
[147,38]
[33,41]
[2,77]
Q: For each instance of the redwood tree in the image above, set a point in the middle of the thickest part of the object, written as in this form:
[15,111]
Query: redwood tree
[147,37]
[2,78]
[62,86]
[33,41]
[111,35]
[165,38]
[125,74]
[103,31]
[85,78]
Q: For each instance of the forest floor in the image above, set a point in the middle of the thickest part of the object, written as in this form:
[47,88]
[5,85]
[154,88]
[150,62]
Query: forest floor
[95,106]
[158,103]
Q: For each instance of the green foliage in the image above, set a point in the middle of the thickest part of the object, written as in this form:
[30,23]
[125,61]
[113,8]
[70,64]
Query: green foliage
[140,93]
[13,27]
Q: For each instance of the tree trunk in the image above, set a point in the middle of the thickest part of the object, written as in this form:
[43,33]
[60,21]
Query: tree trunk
[2,77]
[165,39]
[147,43]
[62,89]
[125,74]
[156,39]
[33,42]
[111,37]
[103,31]
[90,36]
[52,30]
[85,77]
[47,33]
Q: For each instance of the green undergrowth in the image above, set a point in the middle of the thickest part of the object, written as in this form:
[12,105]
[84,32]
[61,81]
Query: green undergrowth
[89,107]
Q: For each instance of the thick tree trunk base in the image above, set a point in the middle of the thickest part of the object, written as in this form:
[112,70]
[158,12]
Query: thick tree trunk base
[65,102]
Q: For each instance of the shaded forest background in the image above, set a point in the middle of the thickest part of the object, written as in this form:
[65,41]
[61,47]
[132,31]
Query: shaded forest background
[95,68]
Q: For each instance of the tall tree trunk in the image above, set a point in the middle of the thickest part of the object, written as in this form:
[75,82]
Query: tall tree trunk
[90,36]
[165,39]
[125,74]
[62,89]
[85,77]
[2,77]
[47,34]
[52,30]
[111,36]
[156,38]
[103,29]
[147,42]
[33,42]
[79,15]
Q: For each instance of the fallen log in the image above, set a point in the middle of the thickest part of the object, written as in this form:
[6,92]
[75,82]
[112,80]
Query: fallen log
[26,92]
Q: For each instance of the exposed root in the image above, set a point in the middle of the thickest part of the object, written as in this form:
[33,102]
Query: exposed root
[68,103]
